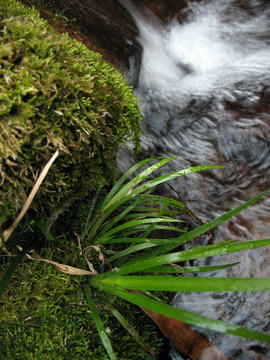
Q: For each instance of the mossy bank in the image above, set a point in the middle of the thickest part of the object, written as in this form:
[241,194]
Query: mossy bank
[44,316]
[56,94]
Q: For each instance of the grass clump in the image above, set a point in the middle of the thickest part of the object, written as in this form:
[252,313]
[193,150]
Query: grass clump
[129,252]
[56,94]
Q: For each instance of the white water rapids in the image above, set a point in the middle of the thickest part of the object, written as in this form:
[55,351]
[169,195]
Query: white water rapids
[204,89]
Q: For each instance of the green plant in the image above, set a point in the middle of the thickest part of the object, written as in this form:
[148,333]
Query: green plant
[43,315]
[135,258]
[56,94]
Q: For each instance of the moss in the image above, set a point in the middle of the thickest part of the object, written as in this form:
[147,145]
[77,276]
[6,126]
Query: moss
[44,316]
[56,94]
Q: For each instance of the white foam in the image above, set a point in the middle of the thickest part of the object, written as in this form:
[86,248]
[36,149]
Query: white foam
[206,52]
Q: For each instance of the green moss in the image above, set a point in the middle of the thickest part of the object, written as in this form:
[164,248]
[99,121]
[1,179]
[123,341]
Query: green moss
[56,94]
[44,316]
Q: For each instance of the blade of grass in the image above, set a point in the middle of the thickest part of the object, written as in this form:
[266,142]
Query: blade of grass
[15,238]
[10,270]
[114,240]
[149,211]
[139,229]
[129,190]
[138,215]
[116,219]
[100,327]
[97,222]
[171,228]
[149,200]
[127,239]
[88,223]
[123,321]
[130,250]
[153,226]
[126,189]
[197,253]
[198,284]
[134,223]
[124,177]
[162,200]
[173,175]
[175,269]
[179,314]
[203,228]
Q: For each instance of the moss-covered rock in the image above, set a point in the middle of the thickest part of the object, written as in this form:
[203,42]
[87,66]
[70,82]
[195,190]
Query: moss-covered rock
[56,94]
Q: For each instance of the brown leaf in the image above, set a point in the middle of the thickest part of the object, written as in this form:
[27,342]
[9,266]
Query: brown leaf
[87,252]
[186,340]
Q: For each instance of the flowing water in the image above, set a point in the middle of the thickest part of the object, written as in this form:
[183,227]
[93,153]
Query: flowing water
[204,89]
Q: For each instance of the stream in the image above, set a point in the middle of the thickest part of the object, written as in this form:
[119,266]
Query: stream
[204,87]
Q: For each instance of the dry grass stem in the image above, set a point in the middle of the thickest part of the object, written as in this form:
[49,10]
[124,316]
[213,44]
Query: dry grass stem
[8,232]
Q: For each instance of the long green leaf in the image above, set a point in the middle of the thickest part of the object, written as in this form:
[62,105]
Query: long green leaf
[89,223]
[173,175]
[197,253]
[152,210]
[175,269]
[150,214]
[126,189]
[162,200]
[100,327]
[10,270]
[133,332]
[137,230]
[130,250]
[178,283]
[124,177]
[120,216]
[134,223]
[146,201]
[153,225]
[203,228]
[114,240]
[129,190]
[165,227]
[167,258]
[182,315]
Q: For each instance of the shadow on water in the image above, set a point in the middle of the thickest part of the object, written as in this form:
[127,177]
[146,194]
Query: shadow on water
[204,89]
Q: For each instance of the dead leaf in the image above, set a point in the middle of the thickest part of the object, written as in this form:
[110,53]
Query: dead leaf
[87,252]
[184,339]
[67,269]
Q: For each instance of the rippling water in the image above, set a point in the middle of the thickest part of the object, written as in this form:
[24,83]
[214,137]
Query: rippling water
[204,89]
